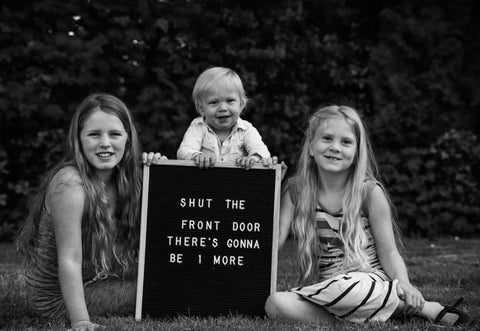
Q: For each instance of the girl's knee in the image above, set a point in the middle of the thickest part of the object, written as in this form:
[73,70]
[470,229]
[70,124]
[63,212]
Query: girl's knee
[274,304]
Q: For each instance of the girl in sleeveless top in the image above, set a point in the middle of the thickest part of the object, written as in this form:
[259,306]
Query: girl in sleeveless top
[341,217]
[80,239]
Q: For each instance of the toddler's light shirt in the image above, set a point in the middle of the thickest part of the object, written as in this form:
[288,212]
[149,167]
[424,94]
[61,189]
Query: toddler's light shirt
[244,140]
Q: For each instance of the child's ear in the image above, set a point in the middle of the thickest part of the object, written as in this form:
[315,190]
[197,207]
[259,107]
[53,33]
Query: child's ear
[200,110]
[243,104]
[310,150]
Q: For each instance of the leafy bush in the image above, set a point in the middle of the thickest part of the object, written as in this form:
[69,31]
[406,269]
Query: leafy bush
[35,157]
[405,63]
[436,190]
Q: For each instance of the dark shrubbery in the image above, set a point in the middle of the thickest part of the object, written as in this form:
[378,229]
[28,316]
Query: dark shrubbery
[436,190]
[409,67]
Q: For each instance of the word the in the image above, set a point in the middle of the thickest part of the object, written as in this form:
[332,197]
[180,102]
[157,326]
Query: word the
[235,204]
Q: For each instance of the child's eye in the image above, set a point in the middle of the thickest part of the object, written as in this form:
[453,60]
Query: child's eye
[93,134]
[231,100]
[116,134]
[347,142]
[327,138]
[212,102]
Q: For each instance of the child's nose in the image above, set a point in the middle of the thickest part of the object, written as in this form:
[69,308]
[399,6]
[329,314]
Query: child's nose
[222,106]
[105,141]
[334,146]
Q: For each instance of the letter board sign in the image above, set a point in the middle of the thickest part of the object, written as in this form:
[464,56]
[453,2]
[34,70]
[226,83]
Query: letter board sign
[208,241]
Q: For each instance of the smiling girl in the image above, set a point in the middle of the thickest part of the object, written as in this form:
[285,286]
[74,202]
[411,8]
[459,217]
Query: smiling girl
[341,217]
[80,239]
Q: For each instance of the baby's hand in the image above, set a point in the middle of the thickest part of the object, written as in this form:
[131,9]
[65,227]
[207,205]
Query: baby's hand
[152,158]
[86,326]
[247,161]
[204,160]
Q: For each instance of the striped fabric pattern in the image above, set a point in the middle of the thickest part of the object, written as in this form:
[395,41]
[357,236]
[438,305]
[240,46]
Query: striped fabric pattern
[355,296]
[330,263]
[349,294]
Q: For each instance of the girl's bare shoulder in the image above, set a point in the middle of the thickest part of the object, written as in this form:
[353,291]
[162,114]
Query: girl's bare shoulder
[65,188]
[66,180]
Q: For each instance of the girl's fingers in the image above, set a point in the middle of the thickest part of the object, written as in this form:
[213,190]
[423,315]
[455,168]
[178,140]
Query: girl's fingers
[150,158]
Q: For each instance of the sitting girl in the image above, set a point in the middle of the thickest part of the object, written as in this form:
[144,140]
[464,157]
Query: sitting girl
[341,217]
[81,236]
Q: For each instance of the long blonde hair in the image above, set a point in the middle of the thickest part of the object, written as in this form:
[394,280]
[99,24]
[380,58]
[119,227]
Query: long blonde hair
[101,231]
[304,189]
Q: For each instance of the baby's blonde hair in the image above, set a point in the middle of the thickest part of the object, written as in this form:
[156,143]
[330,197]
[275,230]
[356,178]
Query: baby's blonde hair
[214,79]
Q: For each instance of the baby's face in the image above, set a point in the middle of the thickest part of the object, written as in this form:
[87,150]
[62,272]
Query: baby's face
[221,110]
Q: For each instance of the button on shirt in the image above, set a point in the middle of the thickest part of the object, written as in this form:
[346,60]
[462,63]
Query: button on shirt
[244,140]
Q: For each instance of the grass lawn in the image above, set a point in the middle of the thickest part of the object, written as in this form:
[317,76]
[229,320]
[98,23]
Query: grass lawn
[443,270]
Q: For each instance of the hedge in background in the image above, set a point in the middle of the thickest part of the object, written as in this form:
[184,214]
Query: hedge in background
[408,66]
[436,190]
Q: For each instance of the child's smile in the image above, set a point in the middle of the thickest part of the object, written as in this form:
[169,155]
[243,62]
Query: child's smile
[334,146]
[103,140]
[332,158]
[221,110]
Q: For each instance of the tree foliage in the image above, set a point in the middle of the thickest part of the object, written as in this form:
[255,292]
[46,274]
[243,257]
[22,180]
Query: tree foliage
[410,68]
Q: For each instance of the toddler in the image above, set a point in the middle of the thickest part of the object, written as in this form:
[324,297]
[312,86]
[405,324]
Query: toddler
[219,133]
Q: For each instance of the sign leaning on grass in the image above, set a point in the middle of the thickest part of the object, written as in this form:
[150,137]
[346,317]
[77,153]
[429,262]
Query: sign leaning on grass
[208,242]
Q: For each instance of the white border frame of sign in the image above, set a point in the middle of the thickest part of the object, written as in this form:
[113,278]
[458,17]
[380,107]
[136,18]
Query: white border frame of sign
[143,227]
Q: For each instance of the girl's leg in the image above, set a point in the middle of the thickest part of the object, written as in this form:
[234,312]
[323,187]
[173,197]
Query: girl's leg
[430,311]
[291,306]
[111,297]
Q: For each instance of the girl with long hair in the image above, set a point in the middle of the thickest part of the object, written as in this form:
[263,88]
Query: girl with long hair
[343,221]
[81,236]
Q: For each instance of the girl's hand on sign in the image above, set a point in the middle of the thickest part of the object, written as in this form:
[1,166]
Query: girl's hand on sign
[152,158]
[271,161]
[284,169]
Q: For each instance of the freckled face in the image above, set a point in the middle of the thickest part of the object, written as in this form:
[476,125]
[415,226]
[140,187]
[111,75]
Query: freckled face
[334,146]
[221,110]
[103,140]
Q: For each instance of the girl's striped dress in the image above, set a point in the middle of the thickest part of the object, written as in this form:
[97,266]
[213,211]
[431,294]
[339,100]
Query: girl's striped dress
[353,295]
